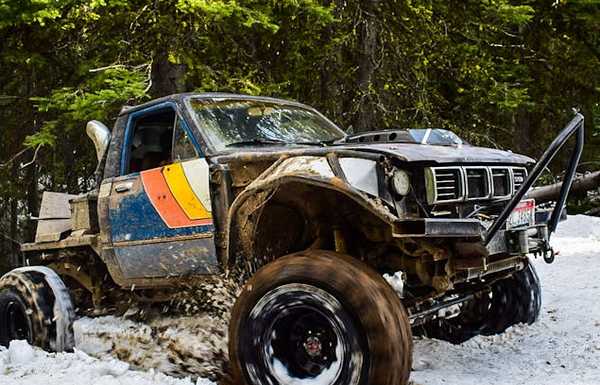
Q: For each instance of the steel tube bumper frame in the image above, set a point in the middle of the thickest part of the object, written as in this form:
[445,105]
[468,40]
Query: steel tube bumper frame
[576,125]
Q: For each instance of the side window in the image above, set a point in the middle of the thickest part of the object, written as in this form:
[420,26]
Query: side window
[183,148]
[150,143]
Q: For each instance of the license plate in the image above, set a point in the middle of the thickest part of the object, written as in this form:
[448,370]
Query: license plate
[522,215]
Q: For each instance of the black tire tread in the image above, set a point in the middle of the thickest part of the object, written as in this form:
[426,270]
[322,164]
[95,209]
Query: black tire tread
[35,293]
[516,299]
[368,297]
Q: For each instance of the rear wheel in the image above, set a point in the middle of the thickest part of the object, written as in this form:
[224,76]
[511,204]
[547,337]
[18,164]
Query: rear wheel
[319,317]
[31,310]
[510,301]
[14,322]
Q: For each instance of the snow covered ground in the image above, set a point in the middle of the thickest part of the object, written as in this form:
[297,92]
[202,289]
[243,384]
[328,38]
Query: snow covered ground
[562,348]
[24,365]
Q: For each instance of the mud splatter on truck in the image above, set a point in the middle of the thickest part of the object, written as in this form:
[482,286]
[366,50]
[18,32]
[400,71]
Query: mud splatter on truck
[298,223]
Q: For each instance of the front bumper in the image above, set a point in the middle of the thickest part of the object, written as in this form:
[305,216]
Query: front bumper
[515,242]
[439,228]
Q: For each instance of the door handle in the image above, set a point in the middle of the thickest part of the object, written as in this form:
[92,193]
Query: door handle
[123,187]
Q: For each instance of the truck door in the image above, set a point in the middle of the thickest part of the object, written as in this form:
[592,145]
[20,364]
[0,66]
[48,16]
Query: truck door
[160,207]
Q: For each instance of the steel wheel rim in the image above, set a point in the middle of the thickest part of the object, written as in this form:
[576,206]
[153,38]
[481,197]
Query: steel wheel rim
[308,339]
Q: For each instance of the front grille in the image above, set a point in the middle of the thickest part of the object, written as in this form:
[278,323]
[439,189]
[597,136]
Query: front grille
[501,182]
[455,184]
[519,177]
[478,185]
[448,186]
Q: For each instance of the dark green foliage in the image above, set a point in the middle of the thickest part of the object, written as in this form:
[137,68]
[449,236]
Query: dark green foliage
[501,73]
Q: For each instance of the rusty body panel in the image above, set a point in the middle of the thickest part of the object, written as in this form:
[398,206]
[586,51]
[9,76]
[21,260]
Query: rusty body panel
[164,258]
[82,241]
[406,152]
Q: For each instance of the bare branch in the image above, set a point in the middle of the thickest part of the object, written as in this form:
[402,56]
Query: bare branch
[113,66]
[149,74]
[594,212]
[107,68]
[10,239]
[32,161]
[18,154]
[580,184]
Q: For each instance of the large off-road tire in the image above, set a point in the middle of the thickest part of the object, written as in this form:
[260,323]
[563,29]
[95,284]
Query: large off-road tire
[34,306]
[513,300]
[319,317]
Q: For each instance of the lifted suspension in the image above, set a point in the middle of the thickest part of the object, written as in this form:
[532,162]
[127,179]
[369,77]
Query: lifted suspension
[420,317]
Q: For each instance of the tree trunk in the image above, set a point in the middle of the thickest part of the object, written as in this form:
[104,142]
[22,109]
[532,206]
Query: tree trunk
[328,88]
[32,202]
[551,193]
[14,221]
[368,46]
[167,78]
[595,212]
[31,174]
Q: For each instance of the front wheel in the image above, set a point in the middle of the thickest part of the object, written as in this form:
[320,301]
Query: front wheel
[510,301]
[319,317]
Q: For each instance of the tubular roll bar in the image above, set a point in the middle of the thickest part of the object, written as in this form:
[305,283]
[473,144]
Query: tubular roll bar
[576,125]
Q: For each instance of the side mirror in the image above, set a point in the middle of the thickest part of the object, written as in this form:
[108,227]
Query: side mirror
[100,135]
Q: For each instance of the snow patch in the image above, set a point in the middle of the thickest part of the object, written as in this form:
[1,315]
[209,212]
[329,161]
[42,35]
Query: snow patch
[23,365]
[172,345]
[396,281]
[19,352]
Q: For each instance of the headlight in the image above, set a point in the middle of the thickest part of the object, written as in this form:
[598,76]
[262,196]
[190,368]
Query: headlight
[401,182]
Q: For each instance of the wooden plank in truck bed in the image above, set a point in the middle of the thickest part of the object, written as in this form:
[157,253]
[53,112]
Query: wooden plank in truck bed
[79,241]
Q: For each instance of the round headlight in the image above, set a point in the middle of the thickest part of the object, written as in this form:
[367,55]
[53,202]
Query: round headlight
[400,182]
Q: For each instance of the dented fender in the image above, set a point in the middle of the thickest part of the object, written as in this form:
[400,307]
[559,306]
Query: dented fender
[353,177]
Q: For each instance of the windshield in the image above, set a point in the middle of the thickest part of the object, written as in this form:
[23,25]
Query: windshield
[435,136]
[232,122]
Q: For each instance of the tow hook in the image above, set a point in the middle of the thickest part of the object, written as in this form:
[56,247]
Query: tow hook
[549,255]
[546,251]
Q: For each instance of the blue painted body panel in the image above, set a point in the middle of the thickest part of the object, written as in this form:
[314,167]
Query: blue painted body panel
[176,258]
[136,220]
[133,218]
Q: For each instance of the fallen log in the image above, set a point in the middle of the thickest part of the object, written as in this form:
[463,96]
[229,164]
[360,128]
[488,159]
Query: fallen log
[593,212]
[551,192]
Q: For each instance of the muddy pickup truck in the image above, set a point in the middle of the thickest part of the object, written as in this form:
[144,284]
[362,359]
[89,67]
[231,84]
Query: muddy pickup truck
[343,245]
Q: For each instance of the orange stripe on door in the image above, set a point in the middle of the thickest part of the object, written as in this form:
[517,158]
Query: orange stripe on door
[164,202]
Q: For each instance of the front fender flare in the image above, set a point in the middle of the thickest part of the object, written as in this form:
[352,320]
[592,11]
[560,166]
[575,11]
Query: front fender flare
[311,170]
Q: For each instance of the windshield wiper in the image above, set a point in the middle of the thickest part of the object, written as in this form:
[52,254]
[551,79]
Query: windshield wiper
[316,143]
[258,142]
[326,142]
[266,142]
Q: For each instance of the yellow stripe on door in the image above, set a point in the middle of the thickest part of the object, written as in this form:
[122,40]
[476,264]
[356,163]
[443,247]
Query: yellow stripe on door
[183,193]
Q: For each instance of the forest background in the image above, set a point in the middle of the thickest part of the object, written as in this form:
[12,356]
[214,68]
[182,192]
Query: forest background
[500,73]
